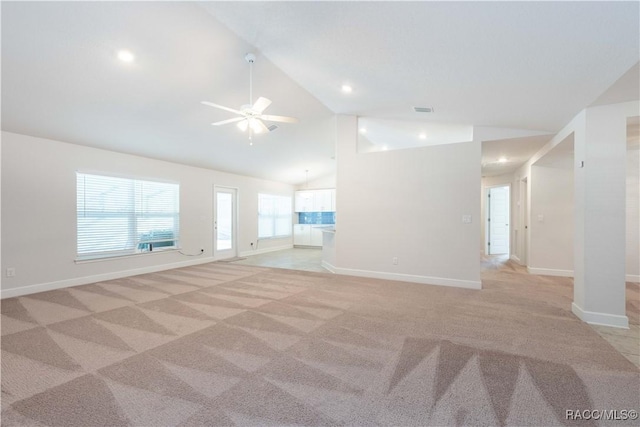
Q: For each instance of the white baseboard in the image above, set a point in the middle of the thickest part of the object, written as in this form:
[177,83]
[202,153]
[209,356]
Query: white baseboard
[265,250]
[328,266]
[427,280]
[593,318]
[516,259]
[77,281]
[549,272]
[567,273]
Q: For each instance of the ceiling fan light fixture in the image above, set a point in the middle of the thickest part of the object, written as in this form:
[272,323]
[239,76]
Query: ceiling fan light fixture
[243,125]
[251,115]
[255,126]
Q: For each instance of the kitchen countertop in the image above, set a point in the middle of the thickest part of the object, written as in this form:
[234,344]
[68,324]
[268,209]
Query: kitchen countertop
[328,229]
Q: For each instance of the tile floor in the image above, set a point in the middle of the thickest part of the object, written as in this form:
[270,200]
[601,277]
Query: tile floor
[306,259]
[626,341]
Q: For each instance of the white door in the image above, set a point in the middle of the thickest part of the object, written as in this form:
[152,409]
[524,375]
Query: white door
[224,222]
[498,220]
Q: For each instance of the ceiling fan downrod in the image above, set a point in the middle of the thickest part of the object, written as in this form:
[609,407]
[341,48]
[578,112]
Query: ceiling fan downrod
[250,58]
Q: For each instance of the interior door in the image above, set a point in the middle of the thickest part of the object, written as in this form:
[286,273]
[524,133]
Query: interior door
[525,221]
[498,220]
[225,227]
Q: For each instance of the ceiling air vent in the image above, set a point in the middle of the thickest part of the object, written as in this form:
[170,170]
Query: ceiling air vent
[423,109]
[272,128]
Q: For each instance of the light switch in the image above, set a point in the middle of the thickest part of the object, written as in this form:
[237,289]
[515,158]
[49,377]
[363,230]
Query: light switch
[466,219]
[540,218]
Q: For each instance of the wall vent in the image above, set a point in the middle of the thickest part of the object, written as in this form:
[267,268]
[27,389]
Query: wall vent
[423,109]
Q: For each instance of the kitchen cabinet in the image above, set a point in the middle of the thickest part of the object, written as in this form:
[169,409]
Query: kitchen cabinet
[322,201]
[302,235]
[304,201]
[315,200]
[316,236]
[307,235]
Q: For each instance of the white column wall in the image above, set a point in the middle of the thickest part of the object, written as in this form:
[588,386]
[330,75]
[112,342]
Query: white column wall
[633,216]
[600,215]
[408,204]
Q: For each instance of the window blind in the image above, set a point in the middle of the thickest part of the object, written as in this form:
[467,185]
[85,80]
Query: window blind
[274,216]
[120,216]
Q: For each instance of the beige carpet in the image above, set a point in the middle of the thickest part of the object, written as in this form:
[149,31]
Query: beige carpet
[225,344]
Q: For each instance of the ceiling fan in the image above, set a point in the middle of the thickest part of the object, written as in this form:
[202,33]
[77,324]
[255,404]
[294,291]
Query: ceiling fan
[251,117]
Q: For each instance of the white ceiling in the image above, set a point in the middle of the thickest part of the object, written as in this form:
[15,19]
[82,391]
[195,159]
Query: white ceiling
[561,156]
[516,65]
[516,151]
[61,80]
[384,134]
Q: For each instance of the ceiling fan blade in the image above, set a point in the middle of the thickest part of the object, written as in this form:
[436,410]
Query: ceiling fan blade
[282,119]
[222,107]
[224,122]
[261,104]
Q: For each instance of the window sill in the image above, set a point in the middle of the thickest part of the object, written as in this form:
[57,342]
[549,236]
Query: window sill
[99,258]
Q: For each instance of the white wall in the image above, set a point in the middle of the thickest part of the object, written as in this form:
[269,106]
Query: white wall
[39,212]
[328,181]
[551,239]
[633,216]
[408,204]
[600,215]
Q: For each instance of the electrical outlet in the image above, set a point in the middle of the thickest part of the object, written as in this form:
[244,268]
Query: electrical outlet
[11,272]
[395,260]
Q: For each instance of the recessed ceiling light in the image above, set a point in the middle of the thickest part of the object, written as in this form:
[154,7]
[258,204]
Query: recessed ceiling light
[502,160]
[363,130]
[126,56]
[422,136]
[347,88]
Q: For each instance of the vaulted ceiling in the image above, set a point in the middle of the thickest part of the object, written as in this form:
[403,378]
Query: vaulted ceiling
[522,65]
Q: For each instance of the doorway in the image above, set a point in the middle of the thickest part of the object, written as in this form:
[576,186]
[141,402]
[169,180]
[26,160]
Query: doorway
[497,226]
[225,228]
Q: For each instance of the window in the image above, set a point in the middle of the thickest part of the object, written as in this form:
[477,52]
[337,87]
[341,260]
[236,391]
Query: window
[274,216]
[119,216]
